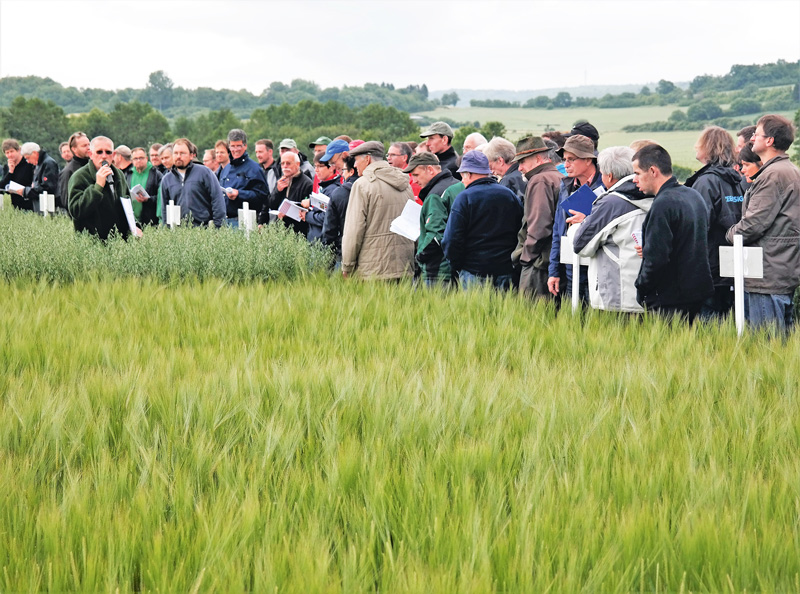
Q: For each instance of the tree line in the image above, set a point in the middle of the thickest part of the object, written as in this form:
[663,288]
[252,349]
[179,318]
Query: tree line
[140,124]
[174,101]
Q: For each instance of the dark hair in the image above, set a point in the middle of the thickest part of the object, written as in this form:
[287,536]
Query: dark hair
[746,155]
[156,145]
[318,159]
[10,144]
[654,155]
[73,140]
[747,133]
[344,137]
[267,143]
[350,163]
[403,148]
[555,136]
[779,129]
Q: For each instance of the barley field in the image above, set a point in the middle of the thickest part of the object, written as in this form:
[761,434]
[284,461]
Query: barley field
[313,434]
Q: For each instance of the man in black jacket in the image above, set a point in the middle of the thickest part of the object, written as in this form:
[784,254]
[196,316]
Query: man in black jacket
[79,146]
[675,276]
[17,170]
[45,173]
[293,186]
[439,136]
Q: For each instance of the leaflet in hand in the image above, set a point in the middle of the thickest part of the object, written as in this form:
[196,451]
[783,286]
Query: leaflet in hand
[291,209]
[14,186]
[139,193]
[319,200]
[128,208]
[407,224]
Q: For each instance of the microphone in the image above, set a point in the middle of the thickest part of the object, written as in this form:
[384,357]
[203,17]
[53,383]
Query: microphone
[110,176]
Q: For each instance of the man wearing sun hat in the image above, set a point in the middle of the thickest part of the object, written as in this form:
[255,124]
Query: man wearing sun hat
[482,227]
[535,237]
[439,135]
[581,163]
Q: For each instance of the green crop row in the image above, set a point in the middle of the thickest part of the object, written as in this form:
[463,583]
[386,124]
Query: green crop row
[326,435]
[32,247]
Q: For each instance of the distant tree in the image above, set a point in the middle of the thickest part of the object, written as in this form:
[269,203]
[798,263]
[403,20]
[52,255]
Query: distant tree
[645,91]
[492,129]
[704,110]
[563,99]
[137,124]
[539,102]
[94,123]
[450,98]
[159,89]
[678,116]
[665,87]
[34,120]
[743,106]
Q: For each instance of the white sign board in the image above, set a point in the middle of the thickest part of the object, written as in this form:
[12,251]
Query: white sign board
[47,203]
[740,263]
[247,218]
[173,214]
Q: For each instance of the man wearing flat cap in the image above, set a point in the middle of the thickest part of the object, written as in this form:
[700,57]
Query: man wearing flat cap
[580,161]
[482,228]
[535,237]
[438,136]
[426,170]
[369,248]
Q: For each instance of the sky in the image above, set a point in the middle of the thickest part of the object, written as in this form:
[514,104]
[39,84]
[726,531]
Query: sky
[513,45]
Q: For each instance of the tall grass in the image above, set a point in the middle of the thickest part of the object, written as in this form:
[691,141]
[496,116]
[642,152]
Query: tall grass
[335,436]
[49,249]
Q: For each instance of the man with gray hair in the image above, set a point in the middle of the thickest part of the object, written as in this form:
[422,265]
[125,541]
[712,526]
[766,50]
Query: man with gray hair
[607,234]
[242,179]
[535,237]
[473,141]
[500,153]
[45,174]
[95,191]
[369,249]
[294,186]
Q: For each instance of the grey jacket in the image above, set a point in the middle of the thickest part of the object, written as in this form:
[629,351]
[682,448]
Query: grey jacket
[771,221]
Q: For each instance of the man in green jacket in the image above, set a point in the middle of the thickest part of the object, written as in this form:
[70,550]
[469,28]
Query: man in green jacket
[426,170]
[95,191]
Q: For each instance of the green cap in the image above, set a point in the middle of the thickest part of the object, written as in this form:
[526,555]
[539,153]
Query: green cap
[438,128]
[425,158]
[322,140]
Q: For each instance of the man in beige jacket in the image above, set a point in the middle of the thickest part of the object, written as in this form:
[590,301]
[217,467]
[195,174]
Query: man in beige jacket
[369,248]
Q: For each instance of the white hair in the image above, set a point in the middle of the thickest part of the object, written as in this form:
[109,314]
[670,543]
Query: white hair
[294,155]
[28,148]
[500,147]
[477,138]
[616,161]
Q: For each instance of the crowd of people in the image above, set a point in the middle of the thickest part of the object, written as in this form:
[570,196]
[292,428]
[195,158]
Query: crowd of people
[498,214]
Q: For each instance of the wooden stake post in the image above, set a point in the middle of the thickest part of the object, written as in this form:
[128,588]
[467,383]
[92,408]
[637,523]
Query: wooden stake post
[740,262]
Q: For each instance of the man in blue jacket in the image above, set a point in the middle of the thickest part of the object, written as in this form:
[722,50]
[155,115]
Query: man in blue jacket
[482,228]
[193,187]
[242,179]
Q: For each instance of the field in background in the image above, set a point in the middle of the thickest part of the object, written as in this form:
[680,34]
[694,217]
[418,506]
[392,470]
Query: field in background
[609,123]
[324,435]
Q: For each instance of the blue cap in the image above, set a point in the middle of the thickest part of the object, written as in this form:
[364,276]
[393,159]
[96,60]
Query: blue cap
[474,162]
[334,148]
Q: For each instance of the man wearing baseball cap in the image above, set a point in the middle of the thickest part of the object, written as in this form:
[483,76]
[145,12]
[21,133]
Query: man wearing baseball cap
[535,237]
[426,171]
[581,163]
[438,137]
[369,249]
[482,228]
[288,144]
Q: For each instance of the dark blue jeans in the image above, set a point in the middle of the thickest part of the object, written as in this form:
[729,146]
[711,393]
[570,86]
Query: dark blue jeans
[761,310]
[469,281]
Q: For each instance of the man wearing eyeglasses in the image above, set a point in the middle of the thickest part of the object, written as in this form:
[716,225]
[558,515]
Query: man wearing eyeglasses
[95,191]
[242,179]
[771,221]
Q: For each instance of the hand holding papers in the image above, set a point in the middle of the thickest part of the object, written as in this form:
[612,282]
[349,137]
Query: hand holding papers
[407,224]
[139,194]
[291,209]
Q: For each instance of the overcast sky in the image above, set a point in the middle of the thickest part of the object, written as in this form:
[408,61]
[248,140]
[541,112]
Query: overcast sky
[482,44]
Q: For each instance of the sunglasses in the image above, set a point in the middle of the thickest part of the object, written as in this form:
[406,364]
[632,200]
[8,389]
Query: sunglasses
[102,152]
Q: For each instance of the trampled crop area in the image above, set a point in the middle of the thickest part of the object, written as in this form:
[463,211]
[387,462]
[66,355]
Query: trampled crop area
[313,434]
